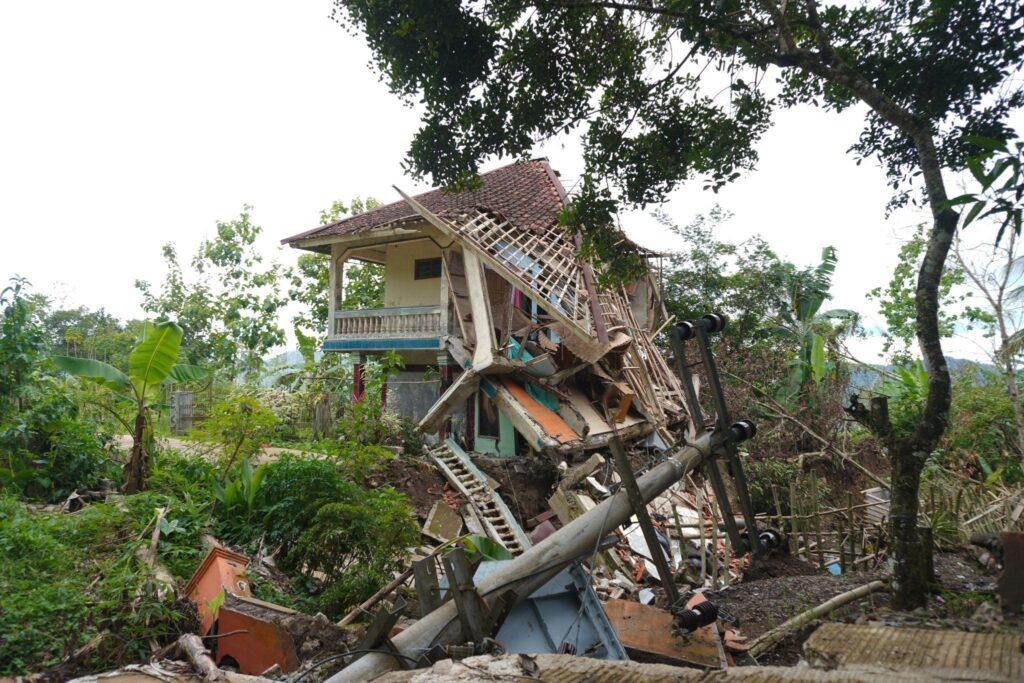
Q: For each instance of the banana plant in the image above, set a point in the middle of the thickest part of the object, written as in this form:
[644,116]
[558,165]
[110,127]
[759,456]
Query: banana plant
[239,494]
[805,322]
[152,363]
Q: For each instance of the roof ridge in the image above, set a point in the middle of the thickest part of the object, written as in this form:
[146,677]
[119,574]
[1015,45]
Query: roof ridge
[503,191]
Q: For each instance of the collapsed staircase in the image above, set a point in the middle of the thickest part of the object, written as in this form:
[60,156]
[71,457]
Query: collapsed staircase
[498,521]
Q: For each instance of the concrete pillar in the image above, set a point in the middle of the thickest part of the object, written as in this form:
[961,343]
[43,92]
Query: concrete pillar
[445,371]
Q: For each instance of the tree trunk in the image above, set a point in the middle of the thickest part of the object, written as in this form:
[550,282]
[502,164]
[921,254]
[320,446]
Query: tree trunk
[136,469]
[909,453]
[323,418]
[909,581]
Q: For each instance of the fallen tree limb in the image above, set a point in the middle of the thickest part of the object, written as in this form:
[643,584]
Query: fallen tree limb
[766,641]
[192,646]
[147,554]
[375,598]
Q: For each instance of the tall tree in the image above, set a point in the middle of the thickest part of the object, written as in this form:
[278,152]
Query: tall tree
[230,310]
[494,77]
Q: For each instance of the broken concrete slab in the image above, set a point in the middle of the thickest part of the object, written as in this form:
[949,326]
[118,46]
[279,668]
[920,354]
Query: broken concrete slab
[582,471]
[938,654]
[443,523]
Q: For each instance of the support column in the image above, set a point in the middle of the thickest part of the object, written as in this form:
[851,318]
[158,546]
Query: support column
[471,421]
[336,286]
[358,381]
[445,371]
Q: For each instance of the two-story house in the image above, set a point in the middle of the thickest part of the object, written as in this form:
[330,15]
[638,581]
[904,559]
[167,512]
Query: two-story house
[486,287]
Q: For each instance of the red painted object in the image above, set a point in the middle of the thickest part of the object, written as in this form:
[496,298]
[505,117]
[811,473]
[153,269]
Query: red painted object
[256,642]
[220,569]
[263,645]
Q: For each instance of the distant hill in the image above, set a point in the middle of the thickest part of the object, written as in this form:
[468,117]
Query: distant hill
[865,378]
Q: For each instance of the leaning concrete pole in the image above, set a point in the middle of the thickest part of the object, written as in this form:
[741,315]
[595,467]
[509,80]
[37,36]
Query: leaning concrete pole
[536,566]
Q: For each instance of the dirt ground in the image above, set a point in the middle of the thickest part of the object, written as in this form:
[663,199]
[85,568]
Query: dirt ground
[784,587]
[418,479]
[526,483]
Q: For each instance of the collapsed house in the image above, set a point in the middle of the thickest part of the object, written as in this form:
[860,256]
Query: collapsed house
[486,286]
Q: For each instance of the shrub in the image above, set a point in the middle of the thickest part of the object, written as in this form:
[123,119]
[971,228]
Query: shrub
[78,460]
[46,452]
[325,525]
[981,437]
[70,580]
[287,408]
[239,424]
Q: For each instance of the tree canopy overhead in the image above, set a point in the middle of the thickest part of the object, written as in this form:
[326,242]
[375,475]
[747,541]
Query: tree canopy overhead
[495,77]
[668,91]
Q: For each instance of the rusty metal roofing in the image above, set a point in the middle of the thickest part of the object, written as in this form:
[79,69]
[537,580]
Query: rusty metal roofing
[527,193]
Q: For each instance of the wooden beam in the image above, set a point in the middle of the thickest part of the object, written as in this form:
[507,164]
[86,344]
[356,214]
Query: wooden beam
[586,343]
[483,329]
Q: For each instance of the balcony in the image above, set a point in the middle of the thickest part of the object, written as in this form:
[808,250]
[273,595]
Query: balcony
[386,329]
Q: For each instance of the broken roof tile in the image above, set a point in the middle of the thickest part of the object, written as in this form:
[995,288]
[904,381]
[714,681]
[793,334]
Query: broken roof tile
[527,193]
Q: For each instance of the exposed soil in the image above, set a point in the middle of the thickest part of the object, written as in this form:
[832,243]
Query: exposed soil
[781,565]
[525,483]
[783,587]
[416,478]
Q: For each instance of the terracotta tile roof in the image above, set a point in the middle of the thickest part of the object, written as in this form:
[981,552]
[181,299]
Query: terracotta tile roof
[528,194]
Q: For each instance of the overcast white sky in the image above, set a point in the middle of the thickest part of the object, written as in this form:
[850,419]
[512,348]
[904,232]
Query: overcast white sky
[125,125]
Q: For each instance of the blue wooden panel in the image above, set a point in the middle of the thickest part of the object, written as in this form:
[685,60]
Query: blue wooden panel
[429,343]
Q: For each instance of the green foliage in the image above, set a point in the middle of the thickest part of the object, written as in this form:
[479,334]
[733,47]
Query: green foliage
[351,587]
[21,343]
[812,329]
[237,499]
[78,460]
[366,421]
[321,522]
[495,79]
[770,473]
[488,549]
[238,425]
[293,490]
[907,392]
[981,439]
[896,301]
[747,282]
[83,333]
[364,528]
[68,580]
[151,363]
[230,312]
[364,286]
[1001,194]
[45,452]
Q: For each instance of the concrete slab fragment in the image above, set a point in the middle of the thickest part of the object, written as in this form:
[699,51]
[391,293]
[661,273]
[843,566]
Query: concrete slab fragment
[443,523]
[939,654]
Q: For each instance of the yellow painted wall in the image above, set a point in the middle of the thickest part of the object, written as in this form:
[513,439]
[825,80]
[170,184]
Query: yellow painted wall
[400,288]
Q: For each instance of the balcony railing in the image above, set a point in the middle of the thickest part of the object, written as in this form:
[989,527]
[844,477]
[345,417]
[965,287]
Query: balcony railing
[410,327]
